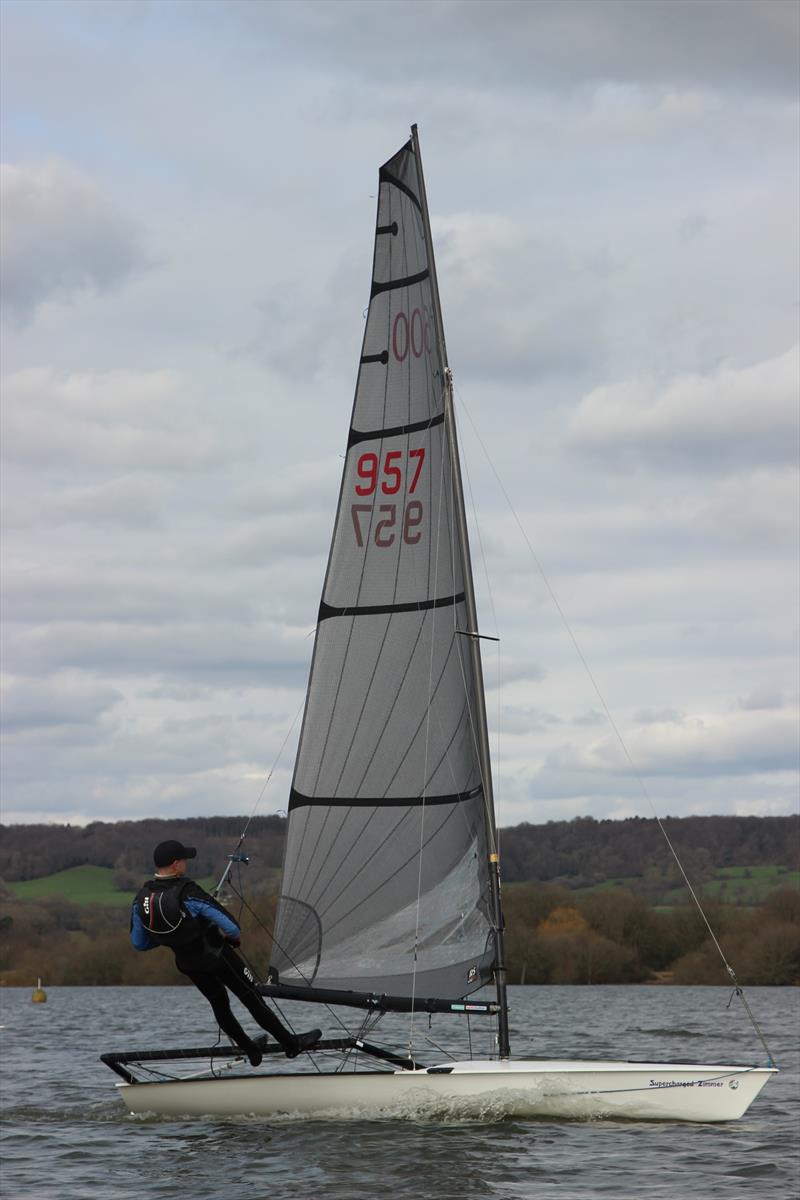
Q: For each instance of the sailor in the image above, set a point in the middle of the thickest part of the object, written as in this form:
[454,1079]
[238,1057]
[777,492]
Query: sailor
[170,910]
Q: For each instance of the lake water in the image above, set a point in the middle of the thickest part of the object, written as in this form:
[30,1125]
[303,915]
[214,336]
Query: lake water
[66,1135]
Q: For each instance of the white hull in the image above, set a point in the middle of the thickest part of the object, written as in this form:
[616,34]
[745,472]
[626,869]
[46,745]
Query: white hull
[487,1090]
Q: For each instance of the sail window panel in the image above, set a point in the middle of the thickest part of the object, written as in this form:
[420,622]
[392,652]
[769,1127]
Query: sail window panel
[408,386]
[389,713]
[355,917]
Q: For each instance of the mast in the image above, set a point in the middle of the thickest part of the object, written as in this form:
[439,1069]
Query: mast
[472,633]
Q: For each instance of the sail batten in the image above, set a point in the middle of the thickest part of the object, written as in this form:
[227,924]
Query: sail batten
[297,800]
[386,883]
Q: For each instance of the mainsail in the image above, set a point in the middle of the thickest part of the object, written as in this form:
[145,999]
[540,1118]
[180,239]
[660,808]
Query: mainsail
[387,879]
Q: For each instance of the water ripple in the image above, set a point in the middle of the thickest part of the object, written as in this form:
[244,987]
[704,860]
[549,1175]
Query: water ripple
[66,1135]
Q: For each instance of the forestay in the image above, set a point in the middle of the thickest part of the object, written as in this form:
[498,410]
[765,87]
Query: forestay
[386,882]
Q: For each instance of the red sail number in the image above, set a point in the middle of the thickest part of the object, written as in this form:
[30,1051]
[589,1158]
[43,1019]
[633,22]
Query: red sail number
[411,333]
[383,534]
[392,472]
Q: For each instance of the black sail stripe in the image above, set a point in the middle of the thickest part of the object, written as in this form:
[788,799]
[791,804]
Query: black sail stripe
[371,610]
[298,800]
[385,176]
[383,357]
[392,229]
[389,285]
[368,435]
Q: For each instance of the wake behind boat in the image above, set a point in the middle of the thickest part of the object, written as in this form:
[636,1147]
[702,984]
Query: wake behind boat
[390,898]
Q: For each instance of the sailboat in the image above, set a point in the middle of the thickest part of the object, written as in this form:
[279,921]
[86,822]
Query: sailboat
[390,899]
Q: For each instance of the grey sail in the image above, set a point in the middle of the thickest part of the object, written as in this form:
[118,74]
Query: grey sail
[386,878]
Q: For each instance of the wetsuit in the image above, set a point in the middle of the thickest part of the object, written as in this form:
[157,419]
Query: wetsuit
[202,936]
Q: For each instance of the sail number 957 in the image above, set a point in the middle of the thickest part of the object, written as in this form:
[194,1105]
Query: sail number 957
[387,527]
[367,469]
[386,477]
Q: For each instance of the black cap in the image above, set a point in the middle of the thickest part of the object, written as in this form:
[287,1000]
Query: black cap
[166,853]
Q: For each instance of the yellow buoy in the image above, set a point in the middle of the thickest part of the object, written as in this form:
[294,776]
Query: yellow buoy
[39,994]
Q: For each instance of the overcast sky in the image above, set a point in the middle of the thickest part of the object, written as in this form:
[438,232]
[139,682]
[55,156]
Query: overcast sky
[188,199]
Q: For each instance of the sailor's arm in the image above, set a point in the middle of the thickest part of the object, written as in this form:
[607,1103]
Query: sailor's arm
[210,912]
[140,938]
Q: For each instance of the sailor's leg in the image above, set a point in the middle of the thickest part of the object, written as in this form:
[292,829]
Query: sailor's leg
[239,978]
[214,991]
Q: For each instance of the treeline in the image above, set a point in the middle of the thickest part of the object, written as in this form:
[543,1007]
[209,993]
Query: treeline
[31,851]
[584,852]
[578,853]
[552,937]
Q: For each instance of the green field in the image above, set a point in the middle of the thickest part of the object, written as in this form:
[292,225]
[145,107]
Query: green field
[743,885]
[731,885]
[81,885]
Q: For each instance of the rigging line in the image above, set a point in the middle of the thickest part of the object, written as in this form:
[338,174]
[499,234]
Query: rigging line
[440,680]
[413,737]
[468,692]
[615,728]
[264,786]
[271,935]
[488,579]
[360,832]
[400,685]
[387,838]
[441,1049]
[427,750]
[391,832]
[385,882]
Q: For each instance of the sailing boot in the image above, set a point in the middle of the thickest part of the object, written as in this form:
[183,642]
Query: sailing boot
[299,1042]
[253,1049]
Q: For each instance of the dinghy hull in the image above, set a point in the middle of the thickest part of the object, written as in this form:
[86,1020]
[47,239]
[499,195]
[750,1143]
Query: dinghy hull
[486,1090]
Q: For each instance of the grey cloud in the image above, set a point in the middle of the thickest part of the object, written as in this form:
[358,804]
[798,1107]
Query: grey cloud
[613,196]
[524,719]
[210,651]
[523,305]
[726,419]
[119,420]
[61,234]
[717,43]
[31,704]
[594,717]
[694,747]
[126,502]
[765,697]
[650,716]
[293,487]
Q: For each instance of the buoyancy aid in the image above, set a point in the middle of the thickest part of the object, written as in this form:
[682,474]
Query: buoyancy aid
[163,914]
[196,942]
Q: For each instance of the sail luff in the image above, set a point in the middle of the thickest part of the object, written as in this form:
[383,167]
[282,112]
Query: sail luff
[482,730]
